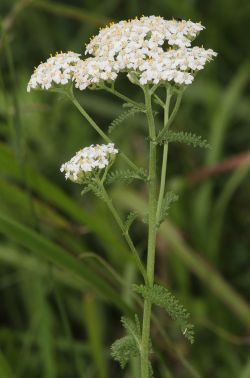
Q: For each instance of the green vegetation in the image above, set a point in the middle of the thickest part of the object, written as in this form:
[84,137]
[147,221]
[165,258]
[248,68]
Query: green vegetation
[65,273]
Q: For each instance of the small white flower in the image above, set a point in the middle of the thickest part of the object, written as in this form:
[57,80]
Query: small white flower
[88,161]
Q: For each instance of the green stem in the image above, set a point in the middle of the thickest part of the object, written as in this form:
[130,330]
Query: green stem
[164,157]
[125,233]
[151,236]
[123,97]
[99,130]
[172,117]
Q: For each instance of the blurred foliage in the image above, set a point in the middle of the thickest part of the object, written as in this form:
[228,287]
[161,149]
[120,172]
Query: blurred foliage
[65,273]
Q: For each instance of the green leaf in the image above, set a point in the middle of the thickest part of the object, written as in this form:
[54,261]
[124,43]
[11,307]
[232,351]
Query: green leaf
[130,219]
[133,328]
[186,138]
[85,190]
[97,190]
[161,297]
[126,175]
[169,198]
[95,335]
[122,117]
[122,350]
[57,255]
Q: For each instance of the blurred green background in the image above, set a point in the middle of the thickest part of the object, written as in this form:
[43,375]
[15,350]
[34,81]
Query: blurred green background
[65,271]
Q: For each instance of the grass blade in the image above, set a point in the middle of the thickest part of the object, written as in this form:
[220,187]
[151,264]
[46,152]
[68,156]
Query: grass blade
[46,249]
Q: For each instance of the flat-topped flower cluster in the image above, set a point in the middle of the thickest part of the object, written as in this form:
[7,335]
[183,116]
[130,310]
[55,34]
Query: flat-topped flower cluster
[155,50]
[57,69]
[88,161]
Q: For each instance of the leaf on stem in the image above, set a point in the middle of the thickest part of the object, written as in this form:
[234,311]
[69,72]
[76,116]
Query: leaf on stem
[130,219]
[122,117]
[184,137]
[126,175]
[85,190]
[169,198]
[162,297]
[97,190]
[122,350]
[133,328]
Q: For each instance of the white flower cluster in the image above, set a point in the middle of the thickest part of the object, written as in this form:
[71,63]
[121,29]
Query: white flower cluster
[87,161]
[57,69]
[153,49]
[157,50]
[176,65]
[93,71]
[146,33]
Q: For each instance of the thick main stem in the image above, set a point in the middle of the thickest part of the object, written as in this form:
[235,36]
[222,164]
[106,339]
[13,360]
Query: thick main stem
[151,236]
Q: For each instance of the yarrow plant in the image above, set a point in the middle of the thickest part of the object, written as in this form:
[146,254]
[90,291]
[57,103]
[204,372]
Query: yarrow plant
[154,53]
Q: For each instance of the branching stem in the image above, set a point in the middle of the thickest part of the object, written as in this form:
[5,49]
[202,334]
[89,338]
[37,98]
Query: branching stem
[99,130]
[164,157]
[123,97]
[171,118]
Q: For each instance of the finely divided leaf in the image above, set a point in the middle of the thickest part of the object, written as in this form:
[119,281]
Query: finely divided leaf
[161,297]
[85,190]
[186,138]
[126,175]
[122,350]
[130,219]
[169,198]
[95,188]
[133,328]
[122,117]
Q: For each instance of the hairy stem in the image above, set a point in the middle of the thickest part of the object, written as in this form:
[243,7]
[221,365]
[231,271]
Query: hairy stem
[164,157]
[99,130]
[125,233]
[151,236]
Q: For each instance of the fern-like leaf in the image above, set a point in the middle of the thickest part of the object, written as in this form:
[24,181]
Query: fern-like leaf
[85,190]
[122,117]
[96,189]
[128,346]
[122,350]
[184,137]
[161,297]
[126,175]
[133,328]
[169,198]
[130,219]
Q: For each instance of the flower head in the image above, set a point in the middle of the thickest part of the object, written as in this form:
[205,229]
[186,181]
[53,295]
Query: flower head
[88,162]
[154,49]
[57,69]
[150,49]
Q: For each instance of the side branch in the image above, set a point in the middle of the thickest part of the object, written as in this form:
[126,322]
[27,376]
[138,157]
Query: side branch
[99,130]
[171,118]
